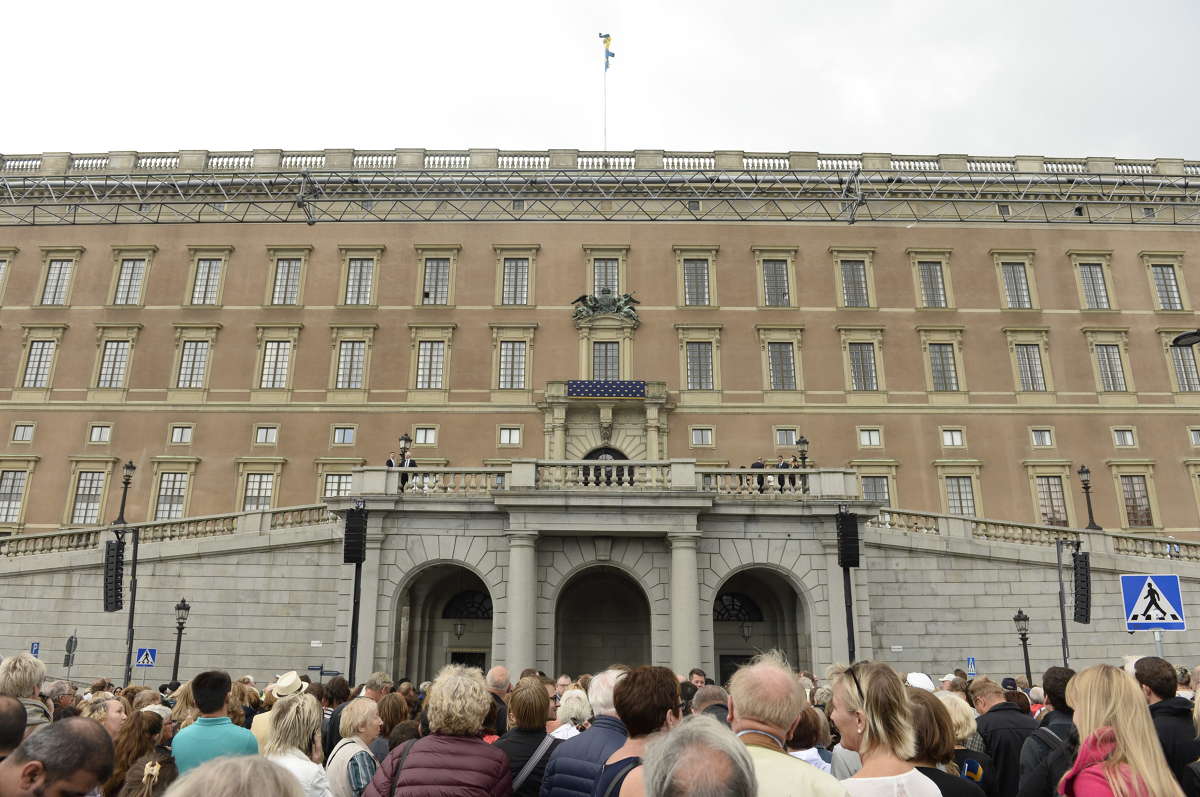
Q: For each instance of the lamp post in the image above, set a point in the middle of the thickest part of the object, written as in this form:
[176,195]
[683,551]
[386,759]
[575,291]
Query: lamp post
[126,480]
[1085,478]
[181,615]
[1021,621]
[802,450]
[747,630]
[460,628]
[405,445]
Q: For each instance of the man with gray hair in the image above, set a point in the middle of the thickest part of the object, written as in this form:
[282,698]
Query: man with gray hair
[72,756]
[499,685]
[61,694]
[575,765]
[713,701]
[700,757]
[765,704]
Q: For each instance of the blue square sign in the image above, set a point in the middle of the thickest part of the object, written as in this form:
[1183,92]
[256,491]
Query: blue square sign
[1152,602]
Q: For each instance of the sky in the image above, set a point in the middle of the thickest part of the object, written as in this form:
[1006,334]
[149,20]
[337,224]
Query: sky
[920,77]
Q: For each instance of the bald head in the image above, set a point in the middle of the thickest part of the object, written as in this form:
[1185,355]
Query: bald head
[497,679]
[766,692]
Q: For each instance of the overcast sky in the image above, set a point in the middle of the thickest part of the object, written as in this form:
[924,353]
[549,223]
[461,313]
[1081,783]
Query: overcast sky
[1047,77]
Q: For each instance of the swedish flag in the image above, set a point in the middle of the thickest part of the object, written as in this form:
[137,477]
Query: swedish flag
[608,53]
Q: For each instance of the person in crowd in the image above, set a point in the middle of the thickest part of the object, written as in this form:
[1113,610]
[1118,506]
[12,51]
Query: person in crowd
[647,701]
[585,682]
[249,700]
[185,711]
[98,685]
[1008,683]
[1172,717]
[377,685]
[61,694]
[945,681]
[871,709]
[146,697]
[561,685]
[393,709]
[714,701]
[12,724]
[213,734]
[295,742]
[403,732]
[455,705]
[351,764]
[21,677]
[107,710]
[499,686]
[574,714]
[1119,755]
[337,693]
[1022,683]
[1054,727]
[154,771]
[698,677]
[285,685]
[575,765]
[138,736]
[919,680]
[973,765]
[687,691]
[526,743]
[765,706]
[700,758]
[70,757]
[810,741]
[1004,728]
[1037,702]
[247,776]
[1019,699]
[933,734]
[1183,685]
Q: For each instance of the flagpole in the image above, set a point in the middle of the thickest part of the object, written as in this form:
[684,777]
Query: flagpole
[606,107]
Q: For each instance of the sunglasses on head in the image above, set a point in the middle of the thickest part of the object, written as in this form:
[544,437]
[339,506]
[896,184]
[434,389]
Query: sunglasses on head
[862,698]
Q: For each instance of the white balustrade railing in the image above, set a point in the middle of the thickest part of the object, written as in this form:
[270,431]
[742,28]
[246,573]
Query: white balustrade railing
[89,163]
[1135,167]
[1066,167]
[157,162]
[974,165]
[375,160]
[838,163]
[910,165]
[689,162]
[447,160]
[593,162]
[765,163]
[604,475]
[523,160]
[1191,169]
[22,164]
[310,160]
[230,162]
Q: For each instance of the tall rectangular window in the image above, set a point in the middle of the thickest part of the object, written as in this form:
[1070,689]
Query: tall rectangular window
[193,364]
[286,289]
[351,362]
[699,365]
[208,280]
[431,356]
[172,489]
[515,289]
[360,278]
[1029,367]
[512,365]
[875,488]
[1016,285]
[1052,500]
[276,355]
[1095,292]
[941,366]
[854,283]
[12,493]
[58,277]
[1137,501]
[114,361]
[933,283]
[1186,375]
[1112,375]
[129,281]
[436,288]
[862,367]
[37,366]
[775,283]
[695,282]
[259,487]
[781,357]
[86,507]
[1166,285]
[606,362]
[960,495]
[605,275]
[337,484]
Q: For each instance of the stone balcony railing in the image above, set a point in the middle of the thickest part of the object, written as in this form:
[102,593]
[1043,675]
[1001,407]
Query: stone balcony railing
[275,160]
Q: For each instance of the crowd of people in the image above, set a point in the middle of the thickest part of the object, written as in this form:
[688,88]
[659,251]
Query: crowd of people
[865,730]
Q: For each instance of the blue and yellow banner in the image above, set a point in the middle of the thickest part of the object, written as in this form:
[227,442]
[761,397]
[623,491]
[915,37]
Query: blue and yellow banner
[608,53]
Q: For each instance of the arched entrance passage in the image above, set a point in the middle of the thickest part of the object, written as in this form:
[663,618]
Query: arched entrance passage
[445,617]
[758,610]
[602,617]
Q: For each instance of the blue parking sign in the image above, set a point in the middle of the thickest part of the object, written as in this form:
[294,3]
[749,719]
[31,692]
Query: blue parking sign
[1152,602]
[35,648]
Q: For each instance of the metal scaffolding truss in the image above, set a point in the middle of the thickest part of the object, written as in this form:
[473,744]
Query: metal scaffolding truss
[573,195]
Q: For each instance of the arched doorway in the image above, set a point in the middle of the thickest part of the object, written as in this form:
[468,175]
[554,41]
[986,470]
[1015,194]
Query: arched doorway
[758,610]
[602,617]
[444,617]
[608,476]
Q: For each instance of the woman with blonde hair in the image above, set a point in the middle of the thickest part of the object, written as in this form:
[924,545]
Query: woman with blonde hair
[1119,755]
[871,709]
[295,742]
[185,711]
[972,765]
[108,711]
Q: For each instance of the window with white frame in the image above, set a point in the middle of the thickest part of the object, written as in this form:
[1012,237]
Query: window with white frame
[1016,284]
[12,494]
[436,285]
[1108,362]
[1183,358]
[782,361]
[863,375]
[702,436]
[38,363]
[870,438]
[700,365]
[606,359]
[953,438]
[351,363]
[512,365]
[58,279]
[960,495]
[100,433]
[510,435]
[1194,436]
[338,484]
[193,364]
[1042,438]
[1052,500]
[1095,291]
[425,436]
[606,275]
[286,288]
[695,282]
[343,435]
[207,282]
[515,287]
[942,368]
[259,487]
[89,485]
[785,437]
[360,280]
[276,357]
[181,435]
[431,356]
[266,435]
[114,361]
[776,291]
[875,488]
[933,283]
[172,491]
[129,281]
[3,269]
[1029,367]
[1166,286]
[22,432]
[854,283]
[1136,495]
[1124,438]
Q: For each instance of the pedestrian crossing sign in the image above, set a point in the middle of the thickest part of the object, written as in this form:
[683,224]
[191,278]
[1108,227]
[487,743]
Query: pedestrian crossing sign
[1152,602]
[146,657]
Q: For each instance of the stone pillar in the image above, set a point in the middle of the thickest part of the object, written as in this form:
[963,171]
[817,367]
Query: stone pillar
[410,159]
[685,603]
[1027,164]
[876,160]
[193,160]
[564,159]
[56,162]
[652,423]
[733,160]
[521,651]
[122,161]
[1169,166]
[268,160]
[952,163]
[487,159]
[647,159]
[339,159]
[802,161]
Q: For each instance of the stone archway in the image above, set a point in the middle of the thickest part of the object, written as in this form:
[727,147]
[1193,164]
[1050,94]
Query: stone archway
[445,617]
[602,617]
[755,610]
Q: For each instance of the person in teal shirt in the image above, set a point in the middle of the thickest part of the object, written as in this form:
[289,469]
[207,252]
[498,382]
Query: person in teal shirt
[213,734]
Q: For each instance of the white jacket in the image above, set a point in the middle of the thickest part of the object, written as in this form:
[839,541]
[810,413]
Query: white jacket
[312,776]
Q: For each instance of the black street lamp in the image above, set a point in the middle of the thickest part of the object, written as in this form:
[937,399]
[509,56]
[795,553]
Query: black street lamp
[1021,621]
[1085,478]
[405,445]
[126,480]
[181,615]
[1187,339]
[802,450]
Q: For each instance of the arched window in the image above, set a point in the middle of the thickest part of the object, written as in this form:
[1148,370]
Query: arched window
[736,607]
[470,604]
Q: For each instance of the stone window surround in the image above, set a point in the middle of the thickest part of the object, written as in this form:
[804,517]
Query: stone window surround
[782,333]
[106,332]
[222,252]
[189,332]
[863,334]
[279,252]
[513,332]
[120,254]
[952,335]
[1135,467]
[1053,436]
[264,332]
[87,440]
[865,254]
[324,466]
[858,430]
[962,430]
[333,429]
[1118,336]
[1112,435]
[7,255]
[437,431]
[444,332]
[12,430]
[171,433]
[88,463]
[72,253]
[30,333]
[254,442]
[788,255]
[347,253]
[775,430]
[249,465]
[879,467]
[942,256]
[1050,467]
[696,252]
[1166,335]
[349,332]
[174,464]
[606,329]
[960,467]
[451,252]
[1039,336]
[520,427]
[712,436]
[1104,258]
[528,251]
[699,333]
[1151,258]
[618,252]
[28,464]
[1026,256]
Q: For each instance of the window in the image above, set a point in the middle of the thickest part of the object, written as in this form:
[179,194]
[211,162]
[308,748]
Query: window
[88,487]
[172,490]
[100,433]
[38,363]
[1194,436]
[1016,285]
[702,436]
[512,364]
[510,435]
[695,282]
[12,493]
[1004,210]
[193,364]
[276,355]
[854,283]
[953,438]
[960,495]
[22,433]
[786,437]
[933,283]
[437,281]
[606,276]
[870,438]
[259,487]
[776,291]
[1187,378]
[781,358]
[113,364]
[207,281]
[129,281]
[1052,501]
[266,435]
[942,368]
[515,289]
[1124,438]
[700,365]
[425,436]
[286,288]
[606,360]
[343,435]
[1095,292]
[58,279]
[360,280]
[1166,286]
[1137,501]
[862,367]
[1112,374]
[181,435]
[351,358]
[1042,438]
[430,359]
[1029,367]
[875,488]
[337,484]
